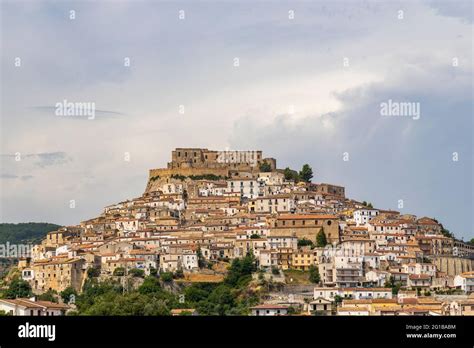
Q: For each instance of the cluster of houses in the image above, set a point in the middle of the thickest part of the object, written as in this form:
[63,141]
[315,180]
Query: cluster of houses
[199,211]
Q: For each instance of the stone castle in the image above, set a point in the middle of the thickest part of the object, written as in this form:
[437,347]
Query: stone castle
[198,161]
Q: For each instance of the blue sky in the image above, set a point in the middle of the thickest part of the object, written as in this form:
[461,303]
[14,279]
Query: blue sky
[291,96]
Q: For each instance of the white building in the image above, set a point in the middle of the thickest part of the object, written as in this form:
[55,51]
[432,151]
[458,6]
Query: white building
[465,282]
[31,307]
[363,216]
[247,188]
[269,310]
[274,204]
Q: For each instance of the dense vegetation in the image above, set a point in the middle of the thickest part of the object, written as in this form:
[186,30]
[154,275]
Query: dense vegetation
[305,174]
[17,288]
[25,233]
[155,295]
[305,242]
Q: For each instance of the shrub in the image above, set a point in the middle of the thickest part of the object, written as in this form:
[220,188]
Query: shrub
[136,272]
[18,288]
[119,272]
[314,275]
[48,296]
[93,272]
[179,273]
[166,276]
[66,294]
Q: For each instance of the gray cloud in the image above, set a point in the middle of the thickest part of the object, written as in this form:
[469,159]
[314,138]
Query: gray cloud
[283,62]
[44,159]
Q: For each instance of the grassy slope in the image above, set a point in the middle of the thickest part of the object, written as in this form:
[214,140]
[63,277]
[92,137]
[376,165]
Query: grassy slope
[25,233]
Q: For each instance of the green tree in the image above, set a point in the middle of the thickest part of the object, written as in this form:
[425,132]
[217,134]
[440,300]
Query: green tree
[314,275]
[119,272]
[93,272]
[18,288]
[306,173]
[223,299]
[150,285]
[49,295]
[305,242]
[166,276]
[471,241]
[321,240]
[136,272]
[265,167]
[240,271]
[290,174]
[445,232]
[201,260]
[66,294]
[179,273]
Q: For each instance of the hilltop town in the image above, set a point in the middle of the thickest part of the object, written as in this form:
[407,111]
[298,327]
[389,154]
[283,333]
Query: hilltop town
[322,252]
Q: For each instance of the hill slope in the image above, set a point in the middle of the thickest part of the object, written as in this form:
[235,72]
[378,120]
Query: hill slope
[25,233]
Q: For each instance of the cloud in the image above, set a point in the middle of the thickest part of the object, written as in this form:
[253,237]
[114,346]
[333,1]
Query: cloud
[41,160]
[462,9]
[284,64]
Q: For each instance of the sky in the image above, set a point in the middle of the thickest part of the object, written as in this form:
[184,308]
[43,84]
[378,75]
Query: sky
[303,81]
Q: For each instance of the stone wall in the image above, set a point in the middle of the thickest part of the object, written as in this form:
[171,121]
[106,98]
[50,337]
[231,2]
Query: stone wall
[453,265]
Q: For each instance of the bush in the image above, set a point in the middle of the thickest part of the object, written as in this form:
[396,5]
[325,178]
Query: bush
[275,270]
[314,275]
[305,242]
[265,167]
[93,272]
[119,272]
[150,285]
[49,296]
[166,276]
[18,288]
[136,272]
[321,240]
[179,274]
[66,294]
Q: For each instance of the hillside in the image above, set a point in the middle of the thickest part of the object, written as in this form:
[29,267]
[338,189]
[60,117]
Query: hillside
[25,233]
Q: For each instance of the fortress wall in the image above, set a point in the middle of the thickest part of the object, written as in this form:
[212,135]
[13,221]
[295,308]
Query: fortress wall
[452,265]
[165,172]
